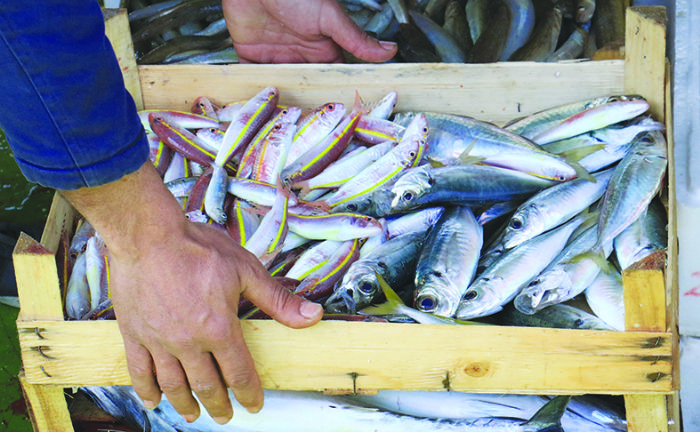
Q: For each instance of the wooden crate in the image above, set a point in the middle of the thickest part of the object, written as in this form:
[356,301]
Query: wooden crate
[343,357]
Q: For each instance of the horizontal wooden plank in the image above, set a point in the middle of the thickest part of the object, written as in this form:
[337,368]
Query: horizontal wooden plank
[346,357]
[495,92]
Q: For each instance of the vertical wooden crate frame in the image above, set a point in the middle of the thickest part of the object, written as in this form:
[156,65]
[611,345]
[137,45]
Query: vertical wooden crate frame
[640,364]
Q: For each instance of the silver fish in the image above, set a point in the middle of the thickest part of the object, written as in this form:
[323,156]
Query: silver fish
[309,411]
[553,206]
[643,237]
[502,281]
[394,260]
[448,261]
[605,297]
[635,181]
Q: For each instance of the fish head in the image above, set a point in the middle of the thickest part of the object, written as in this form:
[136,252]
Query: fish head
[358,289]
[480,299]
[431,297]
[543,291]
[525,224]
[407,189]
[366,226]
[341,302]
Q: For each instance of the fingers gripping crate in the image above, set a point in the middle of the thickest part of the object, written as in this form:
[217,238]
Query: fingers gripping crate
[641,363]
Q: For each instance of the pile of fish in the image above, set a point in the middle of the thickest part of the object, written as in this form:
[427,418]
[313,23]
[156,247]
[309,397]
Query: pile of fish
[451,31]
[387,411]
[415,216]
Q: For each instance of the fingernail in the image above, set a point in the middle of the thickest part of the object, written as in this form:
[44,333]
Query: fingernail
[149,404]
[222,420]
[387,45]
[310,310]
[190,418]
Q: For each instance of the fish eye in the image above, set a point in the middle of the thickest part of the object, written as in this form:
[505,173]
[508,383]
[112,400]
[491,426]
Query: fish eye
[352,207]
[330,106]
[561,178]
[516,224]
[425,129]
[366,287]
[428,304]
[407,196]
[470,295]
[578,323]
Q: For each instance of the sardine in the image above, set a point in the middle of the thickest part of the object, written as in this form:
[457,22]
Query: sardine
[502,281]
[543,40]
[605,297]
[455,138]
[553,206]
[395,261]
[461,185]
[445,45]
[643,237]
[447,262]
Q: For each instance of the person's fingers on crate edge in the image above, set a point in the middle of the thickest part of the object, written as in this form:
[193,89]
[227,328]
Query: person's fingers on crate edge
[175,286]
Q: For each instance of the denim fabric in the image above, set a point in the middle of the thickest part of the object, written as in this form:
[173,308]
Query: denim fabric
[63,106]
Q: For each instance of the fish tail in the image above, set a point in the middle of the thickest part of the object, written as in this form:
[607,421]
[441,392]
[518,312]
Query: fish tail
[549,416]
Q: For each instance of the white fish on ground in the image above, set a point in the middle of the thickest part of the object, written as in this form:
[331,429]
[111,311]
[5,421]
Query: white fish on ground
[307,411]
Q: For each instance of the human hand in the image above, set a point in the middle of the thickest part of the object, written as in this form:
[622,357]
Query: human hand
[175,287]
[298,31]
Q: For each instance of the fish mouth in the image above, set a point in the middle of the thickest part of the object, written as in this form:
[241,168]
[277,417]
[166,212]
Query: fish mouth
[341,302]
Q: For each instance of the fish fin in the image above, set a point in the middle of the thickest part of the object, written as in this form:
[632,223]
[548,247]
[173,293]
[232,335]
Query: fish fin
[466,159]
[581,172]
[435,163]
[549,416]
[598,257]
[359,105]
[579,153]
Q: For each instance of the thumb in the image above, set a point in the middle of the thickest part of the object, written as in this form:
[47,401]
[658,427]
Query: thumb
[283,305]
[345,32]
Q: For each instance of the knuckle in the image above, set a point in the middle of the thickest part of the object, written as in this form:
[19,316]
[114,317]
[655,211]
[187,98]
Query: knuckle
[171,387]
[140,371]
[241,379]
[205,390]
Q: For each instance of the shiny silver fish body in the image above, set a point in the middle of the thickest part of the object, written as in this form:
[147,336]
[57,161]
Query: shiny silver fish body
[502,281]
[553,206]
[395,261]
[453,137]
[308,411]
[643,237]
[461,185]
[605,297]
[636,179]
[448,261]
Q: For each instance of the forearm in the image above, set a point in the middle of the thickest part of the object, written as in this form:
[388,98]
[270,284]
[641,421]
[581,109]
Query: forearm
[132,213]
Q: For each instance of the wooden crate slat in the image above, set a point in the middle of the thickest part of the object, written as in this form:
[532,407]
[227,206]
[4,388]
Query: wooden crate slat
[47,405]
[477,358]
[496,92]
